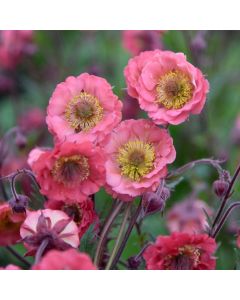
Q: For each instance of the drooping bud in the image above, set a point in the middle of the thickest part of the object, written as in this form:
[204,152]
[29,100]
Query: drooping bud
[221,185]
[155,202]
[133,262]
[198,43]
[19,204]
[20,140]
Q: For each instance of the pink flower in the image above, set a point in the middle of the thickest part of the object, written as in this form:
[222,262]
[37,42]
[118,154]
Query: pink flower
[188,216]
[166,85]
[83,106]
[69,171]
[82,213]
[137,156]
[54,226]
[181,251]
[33,119]
[136,41]
[14,44]
[10,267]
[10,223]
[65,260]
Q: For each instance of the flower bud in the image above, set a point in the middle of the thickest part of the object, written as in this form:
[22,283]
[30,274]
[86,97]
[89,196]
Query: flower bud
[155,202]
[20,140]
[19,204]
[198,43]
[133,262]
[220,187]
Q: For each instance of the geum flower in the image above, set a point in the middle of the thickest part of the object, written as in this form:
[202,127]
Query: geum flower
[53,227]
[136,41]
[137,156]
[10,267]
[10,223]
[14,44]
[69,259]
[69,171]
[181,251]
[82,213]
[188,216]
[83,106]
[166,85]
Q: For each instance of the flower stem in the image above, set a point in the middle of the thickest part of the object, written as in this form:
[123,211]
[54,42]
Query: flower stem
[105,231]
[18,256]
[41,250]
[127,234]
[192,164]
[224,217]
[224,201]
[119,237]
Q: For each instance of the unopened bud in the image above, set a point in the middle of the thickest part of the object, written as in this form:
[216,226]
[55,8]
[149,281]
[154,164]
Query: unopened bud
[20,140]
[19,204]
[198,43]
[133,262]
[155,202]
[220,187]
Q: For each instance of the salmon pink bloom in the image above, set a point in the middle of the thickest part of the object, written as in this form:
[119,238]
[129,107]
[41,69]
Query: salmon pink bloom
[188,216]
[181,251]
[10,267]
[10,223]
[65,260]
[136,41]
[69,171]
[53,226]
[83,106]
[166,85]
[137,156]
[82,213]
[14,44]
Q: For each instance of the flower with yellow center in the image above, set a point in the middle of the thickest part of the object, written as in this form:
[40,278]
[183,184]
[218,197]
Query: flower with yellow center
[174,89]
[136,159]
[187,259]
[69,169]
[83,112]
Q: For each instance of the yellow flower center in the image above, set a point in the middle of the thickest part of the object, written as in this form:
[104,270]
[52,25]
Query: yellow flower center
[174,90]
[83,112]
[70,169]
[188,258]
[136,159]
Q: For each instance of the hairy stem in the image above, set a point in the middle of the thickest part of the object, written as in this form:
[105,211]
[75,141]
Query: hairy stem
[127,234]
[192,164]
[225,198]
[119,237]
[106,228]
[224,218]
[41,250]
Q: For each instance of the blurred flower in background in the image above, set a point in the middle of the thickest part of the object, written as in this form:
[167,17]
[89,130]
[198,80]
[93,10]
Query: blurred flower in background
[188,216]
[136,41]
[14,44]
